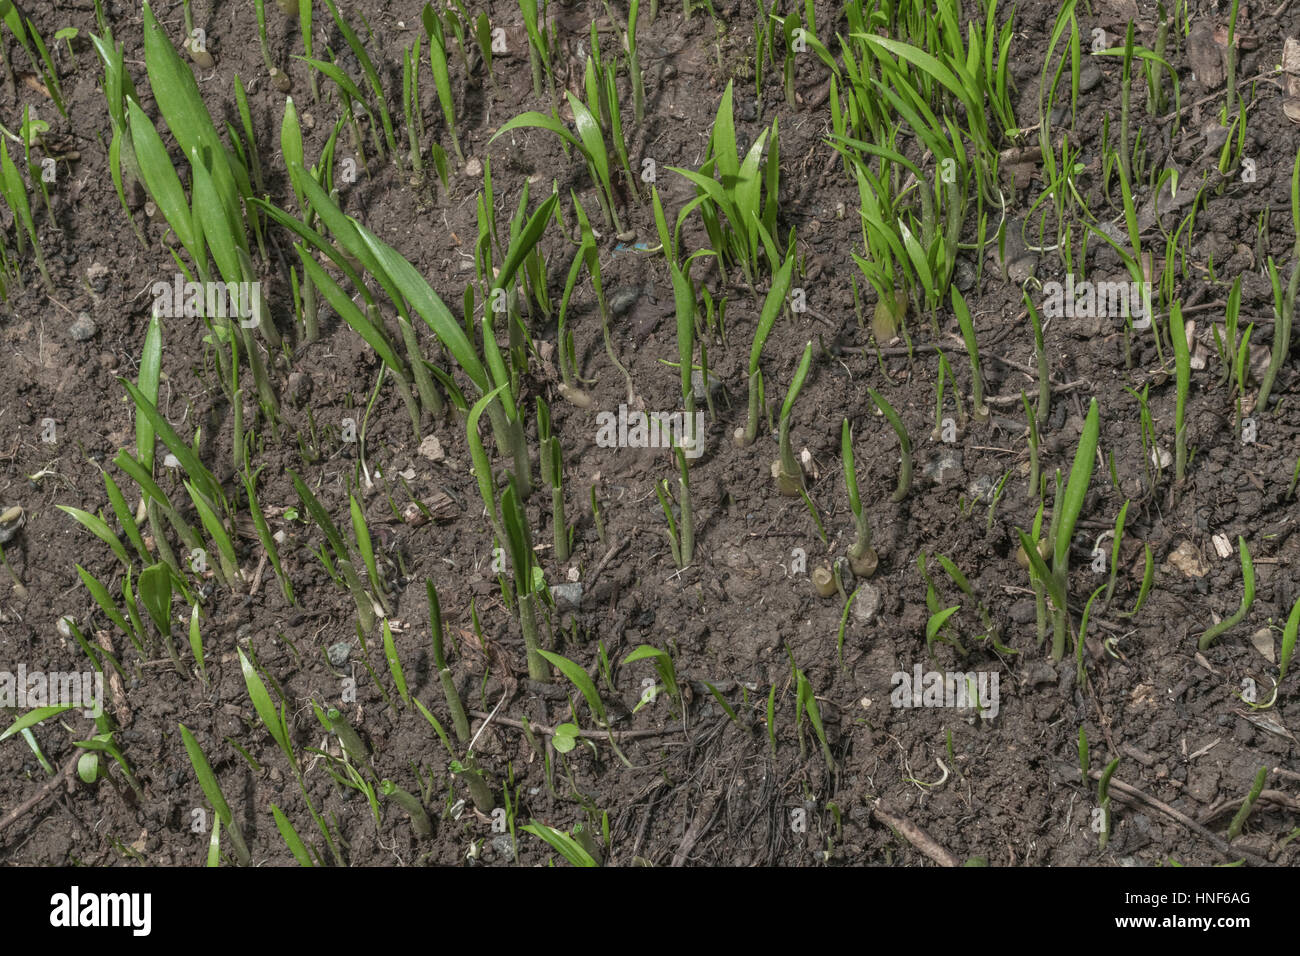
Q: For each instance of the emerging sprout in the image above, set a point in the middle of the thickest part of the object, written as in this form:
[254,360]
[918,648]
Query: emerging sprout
[862,557]
[904,444]
[786,469]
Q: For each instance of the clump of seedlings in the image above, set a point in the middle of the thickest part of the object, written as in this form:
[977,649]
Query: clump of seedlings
[772,306]
[1065,515]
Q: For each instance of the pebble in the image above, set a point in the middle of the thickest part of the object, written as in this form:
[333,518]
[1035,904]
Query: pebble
[981,487]
[867,604]
[97,276]
[339,653]
[567,593]
[697,384]
[504,845]
[1089,75]
[84,328]
[431,448]
[1185,559]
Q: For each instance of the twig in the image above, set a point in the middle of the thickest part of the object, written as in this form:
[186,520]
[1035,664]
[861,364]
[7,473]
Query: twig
[915,836]
[1228,851]
[609,556]
[593,734]
[50,785]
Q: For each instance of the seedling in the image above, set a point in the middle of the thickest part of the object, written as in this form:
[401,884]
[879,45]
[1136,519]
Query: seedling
[1247,599]
[411,806]
[663,664]
[772,307]
[441,76]
[979,411]
[522,562]
[562,843]
[1070,498]
[786,470]
[745,197]
[1284,304]
[904,444]
[1115,551]
[459,721]
[862,557]
[212,790]
[590,143]
[1182,378]
[1256,788]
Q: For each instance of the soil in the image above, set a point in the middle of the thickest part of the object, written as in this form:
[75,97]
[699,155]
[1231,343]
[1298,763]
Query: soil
[690,782]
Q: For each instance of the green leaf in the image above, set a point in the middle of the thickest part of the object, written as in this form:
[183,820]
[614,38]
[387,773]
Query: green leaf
[184,454]
[561,842]
[272,718]
[34,717]
[291,838]
[155,587]
[1076,489]
[395,664]
[937,621]
[580,680]
[104,600]
[99,529]
[160,178]
[353,316]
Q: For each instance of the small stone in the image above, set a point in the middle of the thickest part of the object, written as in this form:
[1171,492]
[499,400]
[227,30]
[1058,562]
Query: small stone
[867,604]
[567,593]
[299,387]
[431,448]
[1262,641]
[473,167]
[1186,560]
[1089,75]
[980,487]
[1021,270]
[339,653]
[97,276]
[83,329]
[697,384]
[505,846]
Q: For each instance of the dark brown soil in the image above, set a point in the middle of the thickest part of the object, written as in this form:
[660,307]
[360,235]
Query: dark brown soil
[703,789]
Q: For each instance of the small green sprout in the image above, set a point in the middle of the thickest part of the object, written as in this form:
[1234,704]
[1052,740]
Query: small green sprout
[786,470]
[1247,599]
[904,444]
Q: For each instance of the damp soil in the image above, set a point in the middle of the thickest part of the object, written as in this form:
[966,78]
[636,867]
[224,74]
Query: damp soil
[692,781]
